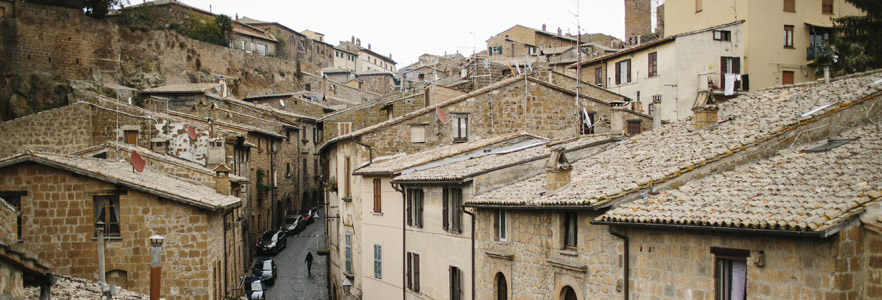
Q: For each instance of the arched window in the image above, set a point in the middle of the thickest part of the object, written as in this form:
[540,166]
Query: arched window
[501,287]
[568,293]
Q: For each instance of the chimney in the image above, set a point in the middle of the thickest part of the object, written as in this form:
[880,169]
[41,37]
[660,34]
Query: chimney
[358,42]
[427,91]
[369,46]
[656,111]
[222,179]
[705,116]
[617,125]
[557,170]
[559,31]
[353,39]
[543,26]
[325,86]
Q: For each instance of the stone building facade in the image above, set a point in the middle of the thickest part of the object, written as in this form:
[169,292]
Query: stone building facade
[382,83]
[59,196]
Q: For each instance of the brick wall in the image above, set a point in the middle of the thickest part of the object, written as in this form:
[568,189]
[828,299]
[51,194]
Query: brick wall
[668,264]
[58,225]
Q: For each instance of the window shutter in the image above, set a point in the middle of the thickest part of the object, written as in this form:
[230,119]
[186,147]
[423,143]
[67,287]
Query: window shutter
[377,203]
[736,68]
[628,62]
[419,221]
[451,278]
[444,210]
[458,212]
[409,259]
[416,273]
[618,73]
[410,203]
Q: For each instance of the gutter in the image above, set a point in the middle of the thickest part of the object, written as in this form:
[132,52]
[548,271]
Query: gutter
[398,188]
[473,250]
[627,262]
[771,232]
[370,155]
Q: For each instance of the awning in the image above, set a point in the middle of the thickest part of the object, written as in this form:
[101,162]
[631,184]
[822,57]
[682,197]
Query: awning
[822,24]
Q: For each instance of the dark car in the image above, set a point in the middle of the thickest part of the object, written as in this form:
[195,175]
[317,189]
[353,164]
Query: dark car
[254,288]
[294,224]
[272,241]
[265,269]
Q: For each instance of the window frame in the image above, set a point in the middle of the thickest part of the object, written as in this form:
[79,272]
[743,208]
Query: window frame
[652,64]
[724,261]
[108,206]
[623,76]
[459,132]
[378,261]
[570,218]
[415,202]
[722,35]
[788,37]
[501,225]
[348,253]
[378,195]
[452,210]
[825,4]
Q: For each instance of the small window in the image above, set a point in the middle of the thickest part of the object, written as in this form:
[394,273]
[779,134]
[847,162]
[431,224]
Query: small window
[378,193]
[788,36]
[348,253]
[417,134]
[131,137]
[413,272]
[501,224]
[722,35]
[346,183]
[623,71]
[790,5]
[730,273]
[378,261]
[455,283]
[571,228]
[653,64]
[415,208]
[309,87]
[107,211]
[288,169]
[598,76]
[460,130]
[451,210]
[827,7]
[344,128]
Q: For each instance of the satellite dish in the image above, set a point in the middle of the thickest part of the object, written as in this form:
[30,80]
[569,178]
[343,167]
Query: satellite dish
[282,102]
[136,161]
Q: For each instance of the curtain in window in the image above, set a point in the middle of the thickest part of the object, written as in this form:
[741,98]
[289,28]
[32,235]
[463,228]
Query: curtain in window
[739,279]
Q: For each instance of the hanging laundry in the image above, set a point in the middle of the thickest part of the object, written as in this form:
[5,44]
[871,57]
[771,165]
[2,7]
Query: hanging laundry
[730,84]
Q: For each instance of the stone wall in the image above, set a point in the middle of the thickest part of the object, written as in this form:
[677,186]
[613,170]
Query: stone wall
[64,130]
[380,84]
[535,263]
[871,246]
[335,89]
[637,18]
[8,221]
[13,282]
[673,264]
[59,222]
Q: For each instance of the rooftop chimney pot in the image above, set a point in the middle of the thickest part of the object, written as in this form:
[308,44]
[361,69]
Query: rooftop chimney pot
[557,170]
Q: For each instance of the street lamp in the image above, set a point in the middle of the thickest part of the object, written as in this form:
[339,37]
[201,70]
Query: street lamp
[346,285]
[156,266]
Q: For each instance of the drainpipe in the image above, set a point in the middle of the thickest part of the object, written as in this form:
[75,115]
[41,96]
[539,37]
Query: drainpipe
[626,263]
[403,242]
[370,152]
[473,249]
[226,262]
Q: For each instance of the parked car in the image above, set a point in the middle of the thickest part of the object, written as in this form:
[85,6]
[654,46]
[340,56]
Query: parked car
[265,269]
[310,215]
[272,241]
[294,224]
[254,288]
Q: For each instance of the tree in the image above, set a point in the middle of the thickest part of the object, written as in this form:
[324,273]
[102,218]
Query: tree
[93,8]
[216,29]
[861,40]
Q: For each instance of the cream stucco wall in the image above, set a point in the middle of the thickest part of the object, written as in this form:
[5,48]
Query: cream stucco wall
[384,229]
[347,61]
[765,55]
[345,215]
[439,249]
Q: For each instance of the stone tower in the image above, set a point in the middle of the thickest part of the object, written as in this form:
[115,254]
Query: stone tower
[637,18]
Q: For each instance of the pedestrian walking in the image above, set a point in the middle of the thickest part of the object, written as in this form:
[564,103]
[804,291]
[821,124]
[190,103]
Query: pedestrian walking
[309,263]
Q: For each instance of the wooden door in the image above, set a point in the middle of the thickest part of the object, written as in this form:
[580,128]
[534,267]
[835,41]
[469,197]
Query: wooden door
[131,137]
[787,77]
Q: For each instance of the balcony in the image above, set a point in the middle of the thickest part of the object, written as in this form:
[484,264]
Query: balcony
[812,52]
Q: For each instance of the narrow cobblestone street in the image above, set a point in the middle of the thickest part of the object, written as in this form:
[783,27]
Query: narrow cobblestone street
[293,281]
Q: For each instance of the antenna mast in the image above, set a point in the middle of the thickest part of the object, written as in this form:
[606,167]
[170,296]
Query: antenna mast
[578,103]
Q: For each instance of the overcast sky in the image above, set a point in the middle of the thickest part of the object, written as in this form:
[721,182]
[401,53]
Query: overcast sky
[409,28]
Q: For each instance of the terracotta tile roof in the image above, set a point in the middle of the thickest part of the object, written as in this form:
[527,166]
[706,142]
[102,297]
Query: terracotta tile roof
[400,163]
[156,156]
[151,181]
[497,159]
[194,88]
[791,191]
[67,287]
[675,148]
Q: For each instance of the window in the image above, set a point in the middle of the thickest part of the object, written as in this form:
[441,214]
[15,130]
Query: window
[455,283]
[653,64]
[348,253]
[288,169]
[570,230]
[598,76]
[697,5]
[348,175]
[623,71]
[14,200]
[418,133]
[790,5]
[587,119]
[568,293]
[451,210]
[531,50]
[305,166]
[827,7]
[730,273]
[501,287]
[501,224]
[378,199]
[415,208]
[343,128]
[107,211]
[315,135]
[131,137]
[261,49]
[730,65]
[788,36]
[413,272]
[460,129]
[722,35]
[243,45]
[308,87]
[378,261]
[303,133]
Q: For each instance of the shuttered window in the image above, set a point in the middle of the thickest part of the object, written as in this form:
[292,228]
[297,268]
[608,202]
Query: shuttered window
[598,76]
[623,71]
[131,137]
[378,199]
[348,176]
[455,283]
[827,7]
[418,133]
[460,130]
[788,36]
[378,261]
[413,272]
[451,210]
[653,64]
[790,5]
[348,253]
[415,208]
